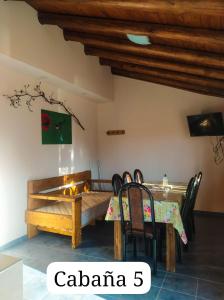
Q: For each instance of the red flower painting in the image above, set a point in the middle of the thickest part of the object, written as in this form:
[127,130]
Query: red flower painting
[45,121]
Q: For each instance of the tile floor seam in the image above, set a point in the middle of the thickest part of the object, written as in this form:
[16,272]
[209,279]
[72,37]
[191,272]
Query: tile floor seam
[177,291]
[198,278]
[159,285]
[164,279]
[170,275]
[196,290]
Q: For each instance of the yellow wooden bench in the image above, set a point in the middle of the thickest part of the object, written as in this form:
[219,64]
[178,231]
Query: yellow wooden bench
[50,208]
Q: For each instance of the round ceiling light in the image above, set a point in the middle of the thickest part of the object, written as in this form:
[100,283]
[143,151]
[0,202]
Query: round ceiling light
[139,39]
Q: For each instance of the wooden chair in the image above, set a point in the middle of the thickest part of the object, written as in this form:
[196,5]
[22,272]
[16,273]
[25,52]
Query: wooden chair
[138,176]
[136,227]
[127,178]
[117,183]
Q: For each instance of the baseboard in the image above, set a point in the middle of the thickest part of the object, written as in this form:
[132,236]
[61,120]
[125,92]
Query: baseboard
[208,213]
[13,243]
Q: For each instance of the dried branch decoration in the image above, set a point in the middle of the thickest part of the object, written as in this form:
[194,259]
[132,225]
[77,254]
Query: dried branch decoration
[27,96]
[218,150]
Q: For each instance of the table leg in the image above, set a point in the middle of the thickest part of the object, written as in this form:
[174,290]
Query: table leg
[118,253]
[170,248]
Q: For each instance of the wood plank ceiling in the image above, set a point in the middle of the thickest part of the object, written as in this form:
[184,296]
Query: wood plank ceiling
[186,37]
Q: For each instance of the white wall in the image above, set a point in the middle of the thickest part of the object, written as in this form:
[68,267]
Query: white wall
[157,138]
[22,157]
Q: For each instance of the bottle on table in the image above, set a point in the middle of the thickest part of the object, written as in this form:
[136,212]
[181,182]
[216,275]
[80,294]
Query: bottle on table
[165,180]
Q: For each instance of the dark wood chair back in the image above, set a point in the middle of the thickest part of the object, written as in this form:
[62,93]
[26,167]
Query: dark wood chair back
[117,183]
[138,176]
[198,179]
[135,194]
[127,178]
[190,197]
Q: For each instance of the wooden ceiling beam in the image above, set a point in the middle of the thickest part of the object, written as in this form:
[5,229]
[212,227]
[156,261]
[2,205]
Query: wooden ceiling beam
[176,84]
[190,13]
[165,74]
[182,37]
[150,51]
[156,63]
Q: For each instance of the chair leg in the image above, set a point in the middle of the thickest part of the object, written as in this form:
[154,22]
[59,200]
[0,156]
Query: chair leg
[178,243]
[154,256]
[159,246]
[151,248]
[146,247]
[124,247]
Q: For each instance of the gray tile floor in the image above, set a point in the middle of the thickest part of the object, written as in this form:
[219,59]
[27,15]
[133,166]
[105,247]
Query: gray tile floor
[200,276]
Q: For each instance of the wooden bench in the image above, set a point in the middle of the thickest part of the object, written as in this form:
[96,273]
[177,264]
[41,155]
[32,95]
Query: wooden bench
[51,209]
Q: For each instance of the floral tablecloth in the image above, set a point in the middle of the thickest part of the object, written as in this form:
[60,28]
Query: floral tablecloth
[165,212]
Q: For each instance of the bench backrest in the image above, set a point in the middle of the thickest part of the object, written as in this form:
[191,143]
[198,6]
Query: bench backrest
[36,186]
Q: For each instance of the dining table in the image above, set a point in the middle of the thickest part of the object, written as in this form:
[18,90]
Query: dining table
[167,205]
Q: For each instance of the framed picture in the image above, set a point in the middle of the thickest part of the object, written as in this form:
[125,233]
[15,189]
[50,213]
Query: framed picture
[56,128]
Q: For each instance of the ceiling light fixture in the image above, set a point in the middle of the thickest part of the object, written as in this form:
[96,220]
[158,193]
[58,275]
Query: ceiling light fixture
[139,39]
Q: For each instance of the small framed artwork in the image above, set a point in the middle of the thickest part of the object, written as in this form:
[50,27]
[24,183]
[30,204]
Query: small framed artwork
[56,128]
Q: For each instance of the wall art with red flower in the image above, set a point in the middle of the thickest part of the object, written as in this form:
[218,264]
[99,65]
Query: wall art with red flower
[56,128]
